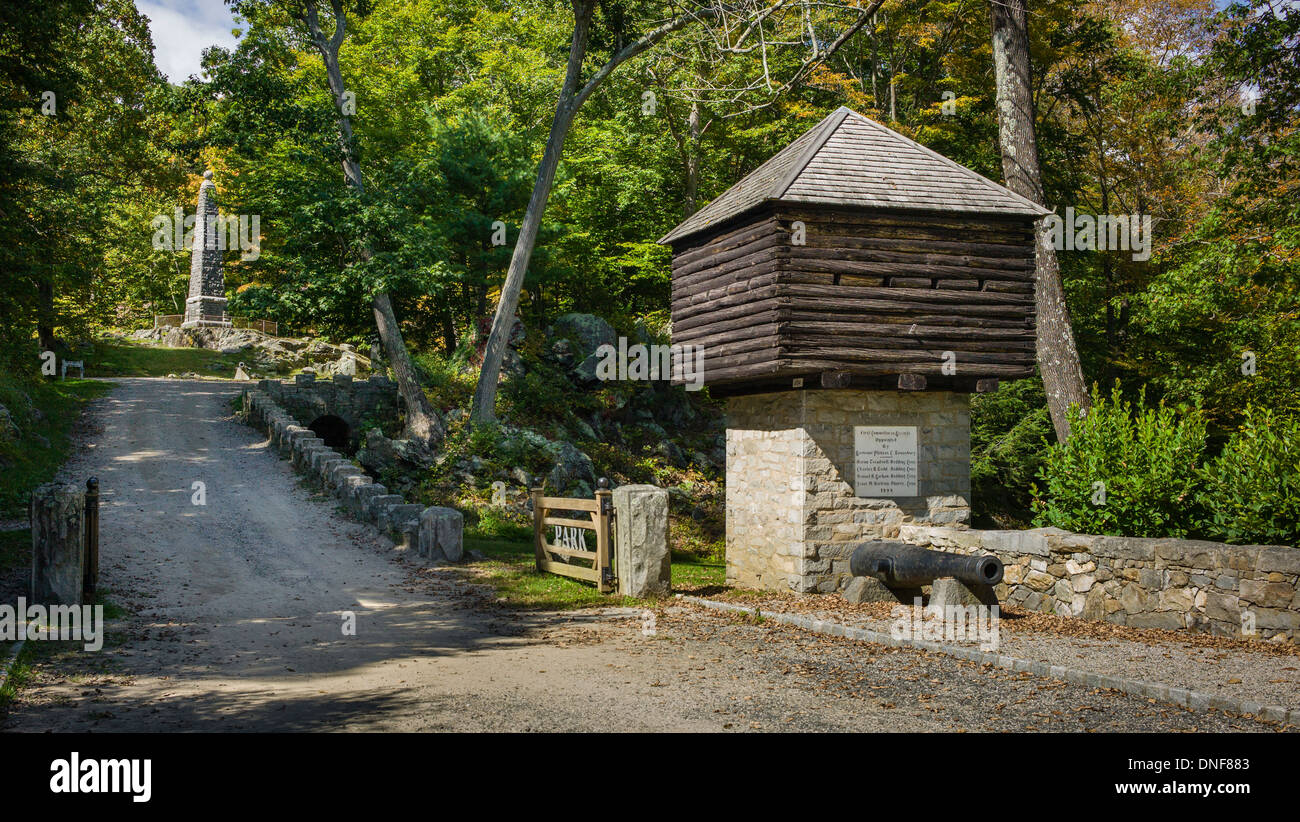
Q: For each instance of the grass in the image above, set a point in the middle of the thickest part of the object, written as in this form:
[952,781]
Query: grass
[509,568]
[43,443]
[15,551]
[123,358]
[17,675]
[694,575]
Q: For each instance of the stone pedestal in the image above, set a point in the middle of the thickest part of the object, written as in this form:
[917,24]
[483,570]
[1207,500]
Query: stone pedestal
[209,312]
[870,589]
[792,508]
[58,544]
[952,592]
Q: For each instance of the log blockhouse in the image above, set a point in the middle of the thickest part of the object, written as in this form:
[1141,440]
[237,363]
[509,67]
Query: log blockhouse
[857,258]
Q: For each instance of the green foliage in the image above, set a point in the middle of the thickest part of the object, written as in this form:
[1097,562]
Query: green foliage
[1126,470]
[43,414]
[1010,431]
[1252,490]
[83,177]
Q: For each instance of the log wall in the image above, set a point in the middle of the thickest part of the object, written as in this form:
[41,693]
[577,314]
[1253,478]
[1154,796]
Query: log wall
[868,293]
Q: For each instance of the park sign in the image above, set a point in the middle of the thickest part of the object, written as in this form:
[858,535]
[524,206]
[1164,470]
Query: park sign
[848,296]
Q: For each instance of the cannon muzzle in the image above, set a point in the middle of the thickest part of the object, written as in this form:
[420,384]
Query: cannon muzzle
[900,565]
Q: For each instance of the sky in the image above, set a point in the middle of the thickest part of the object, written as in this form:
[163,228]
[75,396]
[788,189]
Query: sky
[182,29]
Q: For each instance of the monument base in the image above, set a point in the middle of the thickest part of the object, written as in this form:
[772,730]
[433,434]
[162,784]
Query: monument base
[793,512]
[205,312]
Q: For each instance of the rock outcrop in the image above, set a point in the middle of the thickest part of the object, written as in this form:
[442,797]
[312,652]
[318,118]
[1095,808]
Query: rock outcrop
[266,354]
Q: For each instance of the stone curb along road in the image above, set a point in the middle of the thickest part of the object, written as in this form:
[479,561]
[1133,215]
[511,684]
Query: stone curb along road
[1182,697]
[435,534]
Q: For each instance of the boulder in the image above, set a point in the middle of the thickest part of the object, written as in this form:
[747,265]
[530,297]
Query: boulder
[275,354]
[8,429]
[381,454]
[587,330]
[571,467]
[949,591]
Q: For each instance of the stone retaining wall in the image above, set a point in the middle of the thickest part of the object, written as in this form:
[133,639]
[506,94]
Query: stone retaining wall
[1227,590]
[434,534]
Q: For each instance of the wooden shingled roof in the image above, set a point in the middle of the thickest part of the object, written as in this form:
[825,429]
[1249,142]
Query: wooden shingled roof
[849,160]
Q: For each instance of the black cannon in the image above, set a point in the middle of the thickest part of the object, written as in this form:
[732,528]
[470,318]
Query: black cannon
[899,565]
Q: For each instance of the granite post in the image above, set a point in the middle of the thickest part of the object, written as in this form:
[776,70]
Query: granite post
[58,544]
[641,557]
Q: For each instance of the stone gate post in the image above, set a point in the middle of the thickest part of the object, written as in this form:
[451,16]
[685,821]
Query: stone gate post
[58,544]
[641,558]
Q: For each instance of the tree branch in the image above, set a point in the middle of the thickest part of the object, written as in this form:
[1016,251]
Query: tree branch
[818,58]
[633,49]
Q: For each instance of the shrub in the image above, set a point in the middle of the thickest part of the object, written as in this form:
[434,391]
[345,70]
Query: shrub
[1125,471]
[1252,490]
[1009,432]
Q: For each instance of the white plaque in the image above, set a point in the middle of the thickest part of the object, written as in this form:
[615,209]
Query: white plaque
[884,460]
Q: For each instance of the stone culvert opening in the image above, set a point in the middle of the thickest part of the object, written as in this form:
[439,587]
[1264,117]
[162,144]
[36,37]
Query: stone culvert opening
[332,430]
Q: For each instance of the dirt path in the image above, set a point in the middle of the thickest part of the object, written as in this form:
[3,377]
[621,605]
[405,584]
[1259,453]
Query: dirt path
[235,612]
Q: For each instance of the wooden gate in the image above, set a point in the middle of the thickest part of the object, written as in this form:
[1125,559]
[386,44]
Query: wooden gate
[570,535]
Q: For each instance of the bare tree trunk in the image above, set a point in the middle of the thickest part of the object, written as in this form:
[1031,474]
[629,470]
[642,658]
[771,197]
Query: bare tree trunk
[693,157]
[485,392]
[1058,358]
[572,96]
[423,424]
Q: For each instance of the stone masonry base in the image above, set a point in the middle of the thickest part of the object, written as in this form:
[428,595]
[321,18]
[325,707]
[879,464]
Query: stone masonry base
[791,508]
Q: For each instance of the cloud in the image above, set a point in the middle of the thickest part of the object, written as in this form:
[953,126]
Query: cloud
[182,29]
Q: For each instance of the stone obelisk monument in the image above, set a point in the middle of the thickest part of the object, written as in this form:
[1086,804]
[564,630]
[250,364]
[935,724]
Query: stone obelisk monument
[206,304]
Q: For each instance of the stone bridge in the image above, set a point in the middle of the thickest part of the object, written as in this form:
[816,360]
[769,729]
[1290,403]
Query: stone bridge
[337,409]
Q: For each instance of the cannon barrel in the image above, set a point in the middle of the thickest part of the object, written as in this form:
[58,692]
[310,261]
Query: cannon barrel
[900,565]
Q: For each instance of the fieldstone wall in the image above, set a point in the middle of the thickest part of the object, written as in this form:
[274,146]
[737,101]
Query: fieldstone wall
[791,508]
[349,399]
[1226,590]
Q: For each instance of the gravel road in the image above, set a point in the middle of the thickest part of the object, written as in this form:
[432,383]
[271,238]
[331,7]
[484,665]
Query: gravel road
[235,611]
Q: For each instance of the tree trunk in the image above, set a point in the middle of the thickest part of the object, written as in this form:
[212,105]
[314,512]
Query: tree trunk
[483,409]
[423,424]
[1058,358]
[692,157]
[570,100]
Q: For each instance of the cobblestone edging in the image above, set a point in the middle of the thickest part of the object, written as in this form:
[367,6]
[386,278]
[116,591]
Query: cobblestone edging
[1174,584]
[433,533]
[1182,697]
